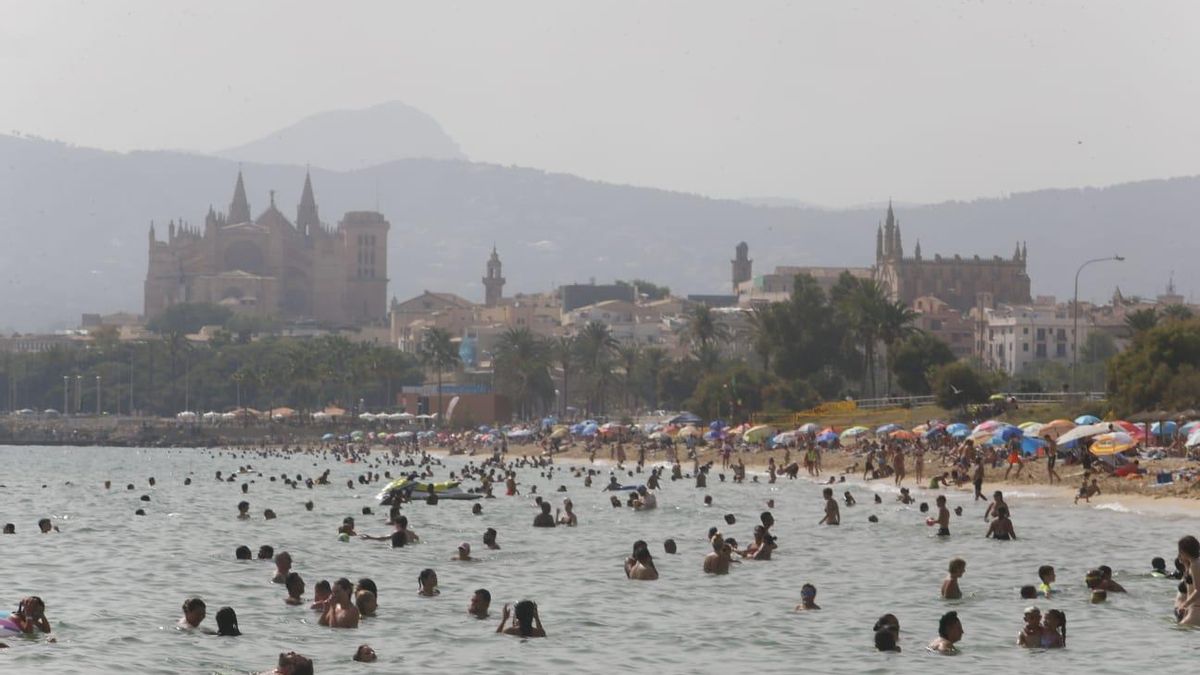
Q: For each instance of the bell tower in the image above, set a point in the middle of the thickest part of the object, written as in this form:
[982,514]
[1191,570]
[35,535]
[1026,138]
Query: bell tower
[742,265]
[493,281]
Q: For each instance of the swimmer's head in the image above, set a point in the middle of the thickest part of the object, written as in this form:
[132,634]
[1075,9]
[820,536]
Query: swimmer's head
[808,592]
[227,623]
[957,566]
[294,584]
[242,553]
[950,627]
[1028,592]
[1093,578]
[365,654]
[266,552]
[1046,573]
[366,602]
[885,641]
[1158,565]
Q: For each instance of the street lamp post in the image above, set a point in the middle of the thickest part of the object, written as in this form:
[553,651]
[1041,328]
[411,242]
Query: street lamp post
[1075,313]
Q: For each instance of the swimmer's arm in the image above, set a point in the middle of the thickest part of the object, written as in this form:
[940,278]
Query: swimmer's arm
[503,619]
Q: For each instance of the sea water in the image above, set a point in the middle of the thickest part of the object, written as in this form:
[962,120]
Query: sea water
[114,582]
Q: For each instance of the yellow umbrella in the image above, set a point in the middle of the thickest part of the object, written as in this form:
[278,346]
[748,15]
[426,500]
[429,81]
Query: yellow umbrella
[1112,443]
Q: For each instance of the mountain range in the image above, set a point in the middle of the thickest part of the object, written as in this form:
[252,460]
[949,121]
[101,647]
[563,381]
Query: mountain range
[74,221]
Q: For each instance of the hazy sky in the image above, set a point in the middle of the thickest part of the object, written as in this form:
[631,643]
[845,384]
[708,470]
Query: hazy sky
[832,103]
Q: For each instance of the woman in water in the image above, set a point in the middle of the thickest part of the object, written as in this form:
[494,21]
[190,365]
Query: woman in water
[30,615]
[1054,629]
[526,621]
[427,583]
[1189,557]
[227,623]
[642,568]
[1001,529]
[887,633]
[295,589]
[950,631]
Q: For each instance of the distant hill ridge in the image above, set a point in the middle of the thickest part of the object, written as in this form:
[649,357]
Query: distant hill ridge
[74,223]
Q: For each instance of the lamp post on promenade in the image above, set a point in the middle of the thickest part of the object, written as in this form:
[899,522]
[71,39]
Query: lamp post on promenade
[1075,314]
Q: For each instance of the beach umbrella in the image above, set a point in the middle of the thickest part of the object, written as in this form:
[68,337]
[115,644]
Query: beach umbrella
[686,418]
[1056,428]
[1164,428]
[1112,443]
[758,433]
[1008,432]
[920,428]
[1187,429]
[589,429]
[1087,419]
[989,425]
[688,431]
[808,428]
[887,429]
[367,417]
[1194,439]
[784,438]
[958,428]
[1026,425]
[1031,444]
[903,435]
[658,436]
[1084,431]
[560,432]
[1136,430]
[327,437]
[854,433]
[826,437]
[1033,428]
[935,430]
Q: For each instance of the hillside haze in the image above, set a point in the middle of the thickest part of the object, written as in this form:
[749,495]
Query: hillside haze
[344,140]
[74,227]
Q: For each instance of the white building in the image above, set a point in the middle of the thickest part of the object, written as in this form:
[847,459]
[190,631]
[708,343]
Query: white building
[1011,338]
[629,323]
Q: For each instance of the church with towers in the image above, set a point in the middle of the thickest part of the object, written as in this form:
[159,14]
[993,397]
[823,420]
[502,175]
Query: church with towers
[962,283]
[293,270]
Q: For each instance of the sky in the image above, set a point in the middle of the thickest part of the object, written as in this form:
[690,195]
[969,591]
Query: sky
[832,103]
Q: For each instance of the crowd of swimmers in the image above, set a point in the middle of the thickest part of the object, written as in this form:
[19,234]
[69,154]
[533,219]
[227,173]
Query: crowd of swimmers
[342,604]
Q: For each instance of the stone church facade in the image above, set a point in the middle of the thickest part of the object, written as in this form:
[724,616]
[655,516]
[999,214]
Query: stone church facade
[270,265]
[962,283]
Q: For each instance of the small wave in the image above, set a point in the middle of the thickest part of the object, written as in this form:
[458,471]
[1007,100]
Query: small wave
[1114,506]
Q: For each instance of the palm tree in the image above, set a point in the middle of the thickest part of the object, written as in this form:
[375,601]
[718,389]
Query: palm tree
[864,308]
[596,348]
[564,350]
[650,367]
[1142,320]
[628,357]
[704,330]
[437,351]
[523,361]
[762,333]
[895,324]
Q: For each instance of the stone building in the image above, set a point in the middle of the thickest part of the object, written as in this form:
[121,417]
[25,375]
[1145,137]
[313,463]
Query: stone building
[270,265]
[959,282]
[743,266]
[493,281]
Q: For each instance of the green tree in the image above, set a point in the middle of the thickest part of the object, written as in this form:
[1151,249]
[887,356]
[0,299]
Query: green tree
[914,357]
[1160,370]
[706,333]
[1176,313]
[957,384]
[895,324]
[1142,320]
[649,372]
[437,351]
[596,348]
[862,305]
[523,368]
[189,317]
[564,351]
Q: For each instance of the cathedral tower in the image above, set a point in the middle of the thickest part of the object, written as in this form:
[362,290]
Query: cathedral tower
[742,265]
[239,208]
[493,281]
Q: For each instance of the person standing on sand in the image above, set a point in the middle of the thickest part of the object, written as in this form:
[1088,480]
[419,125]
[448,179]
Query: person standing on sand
[919,464]
[1014,459]
[898,464]
[1051,459]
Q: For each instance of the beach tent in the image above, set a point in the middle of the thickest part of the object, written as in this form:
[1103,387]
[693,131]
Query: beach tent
[186,416]
[758,433]
[1087,419]
[1112,443]
[367,417]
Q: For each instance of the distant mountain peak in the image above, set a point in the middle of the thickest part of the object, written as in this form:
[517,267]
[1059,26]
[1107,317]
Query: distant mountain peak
[344,140]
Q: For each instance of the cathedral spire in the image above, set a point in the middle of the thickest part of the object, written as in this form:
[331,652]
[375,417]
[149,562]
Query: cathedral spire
[306,212]
[1017,254]
[879,243]
[917,250]
[1024,252]
[899,248]
[239,208]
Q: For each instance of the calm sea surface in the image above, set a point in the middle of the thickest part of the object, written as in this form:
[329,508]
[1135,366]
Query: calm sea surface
[113,582]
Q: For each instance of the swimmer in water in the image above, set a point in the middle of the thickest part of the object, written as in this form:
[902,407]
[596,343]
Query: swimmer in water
[943,518]
[1106,581]
[1001,529]
[950,589]
[340,611]
[646,499]
[994,507]
[719,560]
[322,594]
[832,515]
[808,597]
[643,568]
[30,615]
[243,508]
[481,600]
[283,566]
[366,602]
[527,623]
[227,623]
[1046,577]
[489,539]
[1054,629]
[194,611]
[568,516]
[849,498]
[887,633]
[365,654]
[950,631]
[544,519]
[464,553]
[292,663]
[295,589]
[1030,636]
[427,583]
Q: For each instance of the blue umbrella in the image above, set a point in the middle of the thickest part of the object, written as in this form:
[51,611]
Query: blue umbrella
[1161,428]
[1008,433]
[887,429]
[827,437]
[957,428]
[1087,419]
[1031,444]
[327,437]
[934,432]
[716,425]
